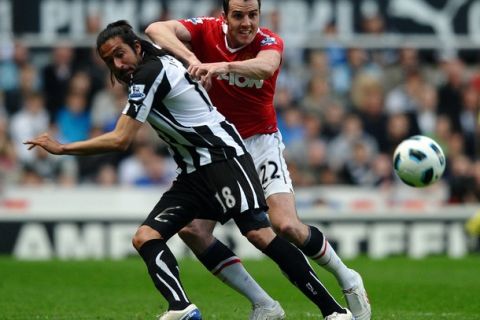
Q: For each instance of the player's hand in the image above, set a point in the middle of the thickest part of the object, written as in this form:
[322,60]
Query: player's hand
[206,82]
[204,72]
[193,61]
[46,142]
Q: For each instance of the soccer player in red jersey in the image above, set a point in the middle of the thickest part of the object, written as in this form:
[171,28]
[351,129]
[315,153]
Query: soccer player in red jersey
[239,62]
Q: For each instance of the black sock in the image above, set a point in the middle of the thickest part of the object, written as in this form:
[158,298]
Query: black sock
[313,245]
[163,269]
[217,256]
[296,267]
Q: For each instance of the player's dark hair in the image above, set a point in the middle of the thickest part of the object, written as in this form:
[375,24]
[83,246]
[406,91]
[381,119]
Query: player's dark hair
[124,30]
[226,4]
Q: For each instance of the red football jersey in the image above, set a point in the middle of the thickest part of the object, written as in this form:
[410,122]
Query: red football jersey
[247,103]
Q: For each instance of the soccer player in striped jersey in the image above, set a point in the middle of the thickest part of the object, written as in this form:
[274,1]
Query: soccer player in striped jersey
[240,61]
[217,178]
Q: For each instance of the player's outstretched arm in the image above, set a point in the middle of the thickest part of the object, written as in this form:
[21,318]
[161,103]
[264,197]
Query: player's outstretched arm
[172,36]
[117,140]
[263,66]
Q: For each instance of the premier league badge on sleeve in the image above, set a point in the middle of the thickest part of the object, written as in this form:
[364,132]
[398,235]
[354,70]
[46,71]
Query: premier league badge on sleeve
[136,93]
[268,41]
[195,20]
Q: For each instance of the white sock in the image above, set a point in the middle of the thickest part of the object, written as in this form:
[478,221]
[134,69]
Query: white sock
[237,277]
[328,259]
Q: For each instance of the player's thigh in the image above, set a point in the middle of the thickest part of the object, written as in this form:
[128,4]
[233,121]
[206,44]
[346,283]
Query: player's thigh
[173,211]
[233,188]
[267,153]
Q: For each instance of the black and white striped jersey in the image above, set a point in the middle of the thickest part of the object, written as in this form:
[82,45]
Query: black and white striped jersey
[179,109]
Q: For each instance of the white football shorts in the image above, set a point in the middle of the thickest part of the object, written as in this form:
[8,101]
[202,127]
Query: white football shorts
[267,154]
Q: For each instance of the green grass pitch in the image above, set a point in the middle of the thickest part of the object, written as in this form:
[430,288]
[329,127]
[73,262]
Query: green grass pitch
[435,288]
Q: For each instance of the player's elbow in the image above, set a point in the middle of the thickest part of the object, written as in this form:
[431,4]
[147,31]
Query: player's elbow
[152,28]
[158,28]
[271,68]
[121,143]
[268,73]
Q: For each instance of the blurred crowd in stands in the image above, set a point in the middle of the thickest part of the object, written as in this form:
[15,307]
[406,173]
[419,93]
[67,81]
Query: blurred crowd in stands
[342,111]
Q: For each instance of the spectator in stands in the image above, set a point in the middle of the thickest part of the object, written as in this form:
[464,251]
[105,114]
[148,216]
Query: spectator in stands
[310,162]
[383,171]
[405,97]
[96,70]
[10,66]
[368,102]
[80,83]
[107,105]
[131,168]
[8,157]
[343,75]
[341,147]
[443,132]
[313,126]
[399,128]
[462,183]
[394,74]
[316,169]
[28,82]
[450,92]
[56,77]
[426,114]
[73,120]
[317,64]
[358,170]
[373,24]
[157,171]
[31,120]
[456,144]
[290,123]
[467,118]
[333,119]
[318,94]
[311,130]
[11,80]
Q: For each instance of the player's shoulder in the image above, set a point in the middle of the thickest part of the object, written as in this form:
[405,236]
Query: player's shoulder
[202,21]
[268,37]
[148,70]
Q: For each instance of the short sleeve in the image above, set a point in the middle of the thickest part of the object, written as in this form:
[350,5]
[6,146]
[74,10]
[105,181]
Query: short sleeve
[144,90]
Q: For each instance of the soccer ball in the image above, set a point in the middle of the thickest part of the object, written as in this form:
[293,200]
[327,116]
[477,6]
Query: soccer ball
[419,161]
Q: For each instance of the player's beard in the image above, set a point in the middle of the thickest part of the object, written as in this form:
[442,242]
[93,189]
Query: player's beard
[123,75]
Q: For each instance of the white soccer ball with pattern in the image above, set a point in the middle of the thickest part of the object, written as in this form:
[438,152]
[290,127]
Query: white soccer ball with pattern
[419,161]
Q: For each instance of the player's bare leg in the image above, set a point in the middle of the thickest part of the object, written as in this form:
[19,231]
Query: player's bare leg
[226,266]
[314,244]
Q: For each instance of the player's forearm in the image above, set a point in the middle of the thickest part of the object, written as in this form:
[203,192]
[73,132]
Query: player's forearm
[164,35]
[256,68]
[107,142]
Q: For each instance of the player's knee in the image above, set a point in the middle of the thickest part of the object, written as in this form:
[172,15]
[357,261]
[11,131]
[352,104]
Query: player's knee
[197,237]
[260,238]
[144,234]
[287,229]
[191,234]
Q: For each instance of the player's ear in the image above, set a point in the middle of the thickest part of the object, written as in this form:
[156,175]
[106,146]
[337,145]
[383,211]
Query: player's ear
[224,16]
[138,47]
